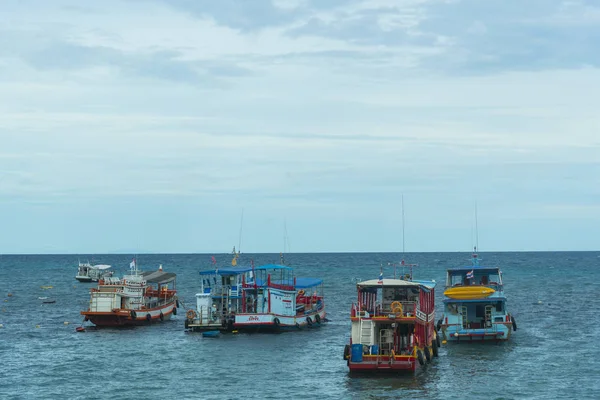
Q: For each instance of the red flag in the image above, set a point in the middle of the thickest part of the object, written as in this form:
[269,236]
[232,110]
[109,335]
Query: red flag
[214,260]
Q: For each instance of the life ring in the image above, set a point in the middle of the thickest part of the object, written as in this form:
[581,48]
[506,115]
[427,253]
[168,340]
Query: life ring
[276,322]
[148,317]
[427,353]
[190,314]
[420,357]
[318,319]
[514,323]
[162,317]
[301,292]
[396,307]
[133,314]
[309,321]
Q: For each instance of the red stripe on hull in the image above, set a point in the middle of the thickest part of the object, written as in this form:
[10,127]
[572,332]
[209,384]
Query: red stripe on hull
[382,367]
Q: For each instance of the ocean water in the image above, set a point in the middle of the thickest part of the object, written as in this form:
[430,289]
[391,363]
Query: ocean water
[554,354]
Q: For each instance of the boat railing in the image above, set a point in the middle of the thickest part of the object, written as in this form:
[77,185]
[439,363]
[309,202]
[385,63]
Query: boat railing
[409,309]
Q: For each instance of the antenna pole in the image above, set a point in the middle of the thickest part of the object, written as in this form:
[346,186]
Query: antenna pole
[402,226]
[241,225]
[476,229]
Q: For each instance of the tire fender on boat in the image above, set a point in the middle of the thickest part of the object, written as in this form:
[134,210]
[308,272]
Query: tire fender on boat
[346,352]
[438,341]
[420,357]
[514,323]
[309,321]
[148,317]
[434,346]
[298,326]
[174,310]
[176,303]
[427,353]
[439,324]
[162,317]
[318,319]
[276,322]
[133,314]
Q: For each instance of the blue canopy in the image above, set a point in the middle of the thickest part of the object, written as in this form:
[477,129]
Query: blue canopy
[226,271]
[301,283]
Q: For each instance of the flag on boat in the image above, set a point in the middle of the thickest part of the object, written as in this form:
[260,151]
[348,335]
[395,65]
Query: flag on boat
[380,277]
[213,259]
[132,264]
[470,275]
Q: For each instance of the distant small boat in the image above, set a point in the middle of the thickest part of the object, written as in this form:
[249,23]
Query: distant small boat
[87,272]
[46,287]
[211,333]
[49,301]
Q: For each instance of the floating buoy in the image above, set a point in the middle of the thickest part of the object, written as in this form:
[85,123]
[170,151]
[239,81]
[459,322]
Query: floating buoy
[1,326]
[444,342]
[80,329]
[234,331]
[47,287]
[66,323]
[37,326]
[10,295]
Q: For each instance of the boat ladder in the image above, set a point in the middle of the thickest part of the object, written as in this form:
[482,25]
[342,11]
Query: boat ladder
[366,331]
[463,313]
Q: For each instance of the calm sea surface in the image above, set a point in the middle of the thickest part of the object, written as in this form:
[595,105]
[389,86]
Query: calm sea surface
[554,354]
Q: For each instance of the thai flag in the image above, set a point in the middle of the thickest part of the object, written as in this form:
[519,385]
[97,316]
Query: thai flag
[380,277]
[470,275]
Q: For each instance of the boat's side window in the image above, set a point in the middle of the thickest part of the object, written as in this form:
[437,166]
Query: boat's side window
[499,306]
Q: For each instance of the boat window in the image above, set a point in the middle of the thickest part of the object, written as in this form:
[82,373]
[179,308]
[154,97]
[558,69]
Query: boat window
[499,306]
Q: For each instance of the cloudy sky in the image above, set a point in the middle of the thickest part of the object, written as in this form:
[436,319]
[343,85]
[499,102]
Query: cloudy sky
[148,126]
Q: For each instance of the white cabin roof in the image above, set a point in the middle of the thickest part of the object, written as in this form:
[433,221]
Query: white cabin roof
[388,282]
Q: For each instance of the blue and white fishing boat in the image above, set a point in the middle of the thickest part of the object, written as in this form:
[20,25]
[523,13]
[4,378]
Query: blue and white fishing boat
[475,305]
[267,297]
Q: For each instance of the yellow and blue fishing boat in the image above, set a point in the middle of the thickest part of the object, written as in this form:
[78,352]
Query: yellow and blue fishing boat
[475,305]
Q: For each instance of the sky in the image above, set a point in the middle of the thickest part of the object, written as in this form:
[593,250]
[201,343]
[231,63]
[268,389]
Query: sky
[151,126]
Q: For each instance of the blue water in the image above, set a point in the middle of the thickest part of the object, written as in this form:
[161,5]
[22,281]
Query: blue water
[553,355]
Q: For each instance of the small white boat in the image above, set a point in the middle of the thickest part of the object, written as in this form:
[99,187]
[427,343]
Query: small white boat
[87,272]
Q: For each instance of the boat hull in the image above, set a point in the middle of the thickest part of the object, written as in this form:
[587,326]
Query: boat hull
[469,292]
[382,364]
[123,317]
[274,322]
[500,332]
[84,279]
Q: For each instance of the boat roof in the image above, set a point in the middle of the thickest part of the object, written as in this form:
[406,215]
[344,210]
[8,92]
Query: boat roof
[101,266]
[387,282]
[227,270]
[490,299]
[159,276]
[301,283]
